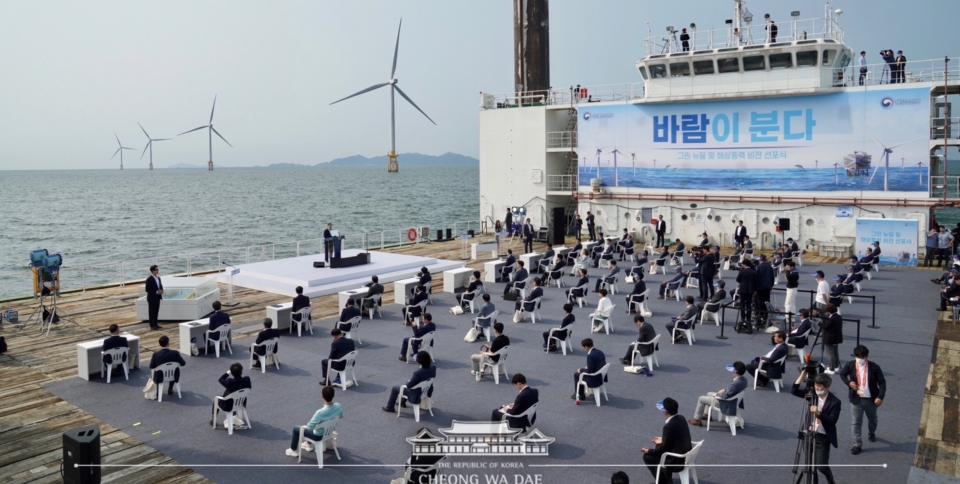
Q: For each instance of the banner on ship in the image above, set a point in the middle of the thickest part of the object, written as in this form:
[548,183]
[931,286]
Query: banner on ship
[827,142]
[898,239]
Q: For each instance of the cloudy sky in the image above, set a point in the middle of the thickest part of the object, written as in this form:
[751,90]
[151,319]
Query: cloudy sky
[73,73]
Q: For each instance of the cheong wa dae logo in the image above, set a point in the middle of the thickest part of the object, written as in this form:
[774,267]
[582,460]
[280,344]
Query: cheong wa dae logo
[889,102]
[587,116]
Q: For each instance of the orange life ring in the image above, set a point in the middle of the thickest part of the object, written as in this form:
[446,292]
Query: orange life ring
[412,235]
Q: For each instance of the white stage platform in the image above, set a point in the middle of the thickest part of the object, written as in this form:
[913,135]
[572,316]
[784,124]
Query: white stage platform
[284,275]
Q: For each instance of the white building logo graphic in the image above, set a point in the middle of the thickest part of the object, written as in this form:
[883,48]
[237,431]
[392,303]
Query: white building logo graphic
[481,438]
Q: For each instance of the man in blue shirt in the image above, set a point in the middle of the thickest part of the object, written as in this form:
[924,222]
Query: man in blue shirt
[314,428]
[931,248]
[944,244]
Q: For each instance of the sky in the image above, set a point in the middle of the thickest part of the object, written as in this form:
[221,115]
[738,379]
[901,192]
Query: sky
[74,73]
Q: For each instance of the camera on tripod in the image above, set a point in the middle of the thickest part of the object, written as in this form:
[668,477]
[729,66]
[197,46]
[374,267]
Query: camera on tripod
[813,368]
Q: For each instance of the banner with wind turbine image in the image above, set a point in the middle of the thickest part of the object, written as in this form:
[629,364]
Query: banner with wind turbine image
[848,141]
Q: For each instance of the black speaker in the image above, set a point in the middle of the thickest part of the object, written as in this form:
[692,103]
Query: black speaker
[784,224]
[558,225]
[81,446]
[439,235]
[318,264]
[449,234]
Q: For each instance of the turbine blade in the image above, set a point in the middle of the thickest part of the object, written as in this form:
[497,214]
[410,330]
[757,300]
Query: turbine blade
[145,148]
[162,139]
[396,48]
[412,103]
[371,88]
[194,129]
[115,154]
[875,170]
[878,141]
[221,137]
[905,142]
[214,107]
[131,149]
[118,139]
[144,131]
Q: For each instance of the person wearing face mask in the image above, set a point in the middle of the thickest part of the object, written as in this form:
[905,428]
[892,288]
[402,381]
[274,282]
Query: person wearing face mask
[826,412]
[867,389]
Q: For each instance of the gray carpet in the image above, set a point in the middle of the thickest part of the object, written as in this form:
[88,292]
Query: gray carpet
[585,435]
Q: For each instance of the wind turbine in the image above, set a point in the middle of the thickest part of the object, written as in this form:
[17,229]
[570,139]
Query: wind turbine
[920,172]
[149,144]
[210,131]
[120,150]
[886,161]
[616,175]
[392,164]
[633,157]
[836,175]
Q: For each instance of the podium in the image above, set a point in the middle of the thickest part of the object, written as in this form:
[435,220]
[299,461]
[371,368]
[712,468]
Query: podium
[331,245]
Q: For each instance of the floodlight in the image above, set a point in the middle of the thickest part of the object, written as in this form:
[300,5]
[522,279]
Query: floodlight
[52,261]
[670,29]
[838,12]
[36,257]
[728,21]
[795,13]
[693,25]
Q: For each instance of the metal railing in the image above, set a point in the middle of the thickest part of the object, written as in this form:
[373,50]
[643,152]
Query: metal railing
[566,96]
[562,139]
[952,186]
[566,183]
[15,284]
[749,34]
[937,124]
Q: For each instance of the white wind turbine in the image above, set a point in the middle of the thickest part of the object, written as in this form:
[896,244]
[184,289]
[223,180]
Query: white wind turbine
[886,161]
[210,130]
[392,165]
[120,150]
[149,144]
[633,158]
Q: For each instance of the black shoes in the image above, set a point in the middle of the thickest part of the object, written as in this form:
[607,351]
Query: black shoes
[624,361]
[403,358]
[872,438]
[855,450]
[387,409]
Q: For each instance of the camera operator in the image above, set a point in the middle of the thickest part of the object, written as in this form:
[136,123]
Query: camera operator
[748,280]
[826,412]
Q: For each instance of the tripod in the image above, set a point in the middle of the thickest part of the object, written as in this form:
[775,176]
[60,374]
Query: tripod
[806,447]
[46,316]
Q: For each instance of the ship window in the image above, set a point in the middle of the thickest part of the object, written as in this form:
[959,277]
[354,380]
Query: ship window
[728,65]
[753,63]
[680,69]
[806,58]
[782,61]
[729,49]
[751,47]
[829,55]
[658,71]
[703,67]
[803,42]
[659,56]
[643,73]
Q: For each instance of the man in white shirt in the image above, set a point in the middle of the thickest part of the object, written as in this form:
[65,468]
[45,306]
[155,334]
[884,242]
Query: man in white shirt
[823,291]
[603,310]
[862,62]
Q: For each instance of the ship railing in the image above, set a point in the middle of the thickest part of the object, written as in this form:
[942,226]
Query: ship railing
[16,284]
[755,33]
[563,96]
[937,126]
[927,70]
[937,186]
[562,139]
[564,183]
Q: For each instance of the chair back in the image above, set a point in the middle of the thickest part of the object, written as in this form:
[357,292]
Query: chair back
[427,287]
[425,341]
[491,319]
[168,370]
[422,305]
[423,386]
[554,332]
[530,413]
[222,331]
[350,359]
[502,353]
[117,355]
[270,345]
[533,304]
[239,398]
[653,343]
[353,322]
[329,426]
[691,456]
[711,307]
[304,314]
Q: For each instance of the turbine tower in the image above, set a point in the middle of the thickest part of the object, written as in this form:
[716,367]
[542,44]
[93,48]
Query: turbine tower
[392,165]
[210,131]
[120,150]
[149,144]
[886,162]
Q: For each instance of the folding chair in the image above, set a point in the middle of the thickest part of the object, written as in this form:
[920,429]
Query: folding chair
[329,428]
[495,367]
[602,373]
[239,410]
[348,371]
[301,321]
[269,346]
[169,371]
[423,386]
[689,471]
[118,357]
[776,382]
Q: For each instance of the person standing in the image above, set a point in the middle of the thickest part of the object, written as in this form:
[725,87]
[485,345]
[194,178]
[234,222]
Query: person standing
[944,243]
[591,226]
[508,221]
[888,65]
[826,413]
[685,40]
[661,230]
[327,242]
[832,327]
[822,298]
[707,267]
[765,280]
[900,64]
[793,282]
[527,237]
[862,62]
[675,439]
[154,288]
[748,282]
[933,239]
[867,389]
[739,233]
[773,31]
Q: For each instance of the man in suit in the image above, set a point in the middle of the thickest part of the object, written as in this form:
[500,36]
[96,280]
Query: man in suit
[747,244]
[419,296]
[592,226]
[114,341]
[166,355]
[419,331]
[568,319]
[774,371]
[527,397]
[717,297]
[348,312]
[707,267]
[793,246]
[949,294]
[832,335]
[673,283]
[825,413]
[315,428]
[508,221]
[527,303]
[231,381]
[689,314]
[765,279]
[576,291]
[867,390]
[609,277]
[487,352]
[339,348]
[519,278]
[528,234]
[748,281]
[636,295]
[373,289]
[327,242]
[605,253]
[154,288]
[267,333]
[675,439]
[797,337]
[427,371]
[469,295]
[217,319]
[739,233]
[712,399]
[661,230]
[646,335]
[546,259]
[299,302]
[425,277]
[508,265]
[555,273]
[595,361]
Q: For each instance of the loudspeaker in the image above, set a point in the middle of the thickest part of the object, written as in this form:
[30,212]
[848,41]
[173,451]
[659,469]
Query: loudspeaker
[439,235]
[449,234]
[319,264]
[558,225]
[81,446]
[784,224]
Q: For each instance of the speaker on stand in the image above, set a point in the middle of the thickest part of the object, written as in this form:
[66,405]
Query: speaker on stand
[81,446]
[558,225]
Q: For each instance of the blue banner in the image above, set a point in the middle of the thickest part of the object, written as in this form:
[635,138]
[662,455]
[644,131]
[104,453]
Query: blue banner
[897,237]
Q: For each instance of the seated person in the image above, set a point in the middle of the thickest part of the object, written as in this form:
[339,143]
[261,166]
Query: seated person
[663,258]
[609,277]
[647,333]
[349,312]
[867,259]
[583,260]
[427,371]
[857,267]
[718,296]
[231,381]
[420,295]
[797,337]
[375,288]
[487,352]
[849,280]
[469,294]
[680,248]
[314,428]
[638,267]
[217,319]
[508,264]
[674,283]
[686,319]
[339,347]
[777,262]
[546,259]
[596,360]
[712,399]
[836,291]
[606,253]
[424,276]
[579,290]
[527,397]
[568,319]
[602,312]
[526,304]
[165,355]
[519,279]
[636,295]
[419,331]
[794,248]
[704,240]
[299,302]
[485,311]
[747,245]
[267,333]
[774,372]
[949,295]
[555,273]
[114,341]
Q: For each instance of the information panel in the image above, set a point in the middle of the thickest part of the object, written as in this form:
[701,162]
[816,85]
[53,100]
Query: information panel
[897,237]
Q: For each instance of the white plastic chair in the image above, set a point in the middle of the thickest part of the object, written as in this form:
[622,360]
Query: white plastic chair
[425,345]
[118,357]
[423,308]
[495,366]
[269,345]
[579,299]
[169,371]
[239,410]
[678,257]
[733,421]
[555,276]
[713,315]
[354,323]
[602,372]
[348,371]
[693,281]
[686,332]
[677,293]
[303,322]
[562,343]
[610,285]
[776,382]
[536,309]
[801,352]
[329,426]
[492,318]
[526,283]
[223,335]
[530,413]
[797,256]
[689,472]
[639,306]
[375,308]
[507,271]
[605,318]
[651,358]
[423,386]
[426,289]
[846,294]
[470,302]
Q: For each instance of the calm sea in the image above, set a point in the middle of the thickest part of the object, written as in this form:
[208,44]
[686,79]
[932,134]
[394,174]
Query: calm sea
[108,216]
